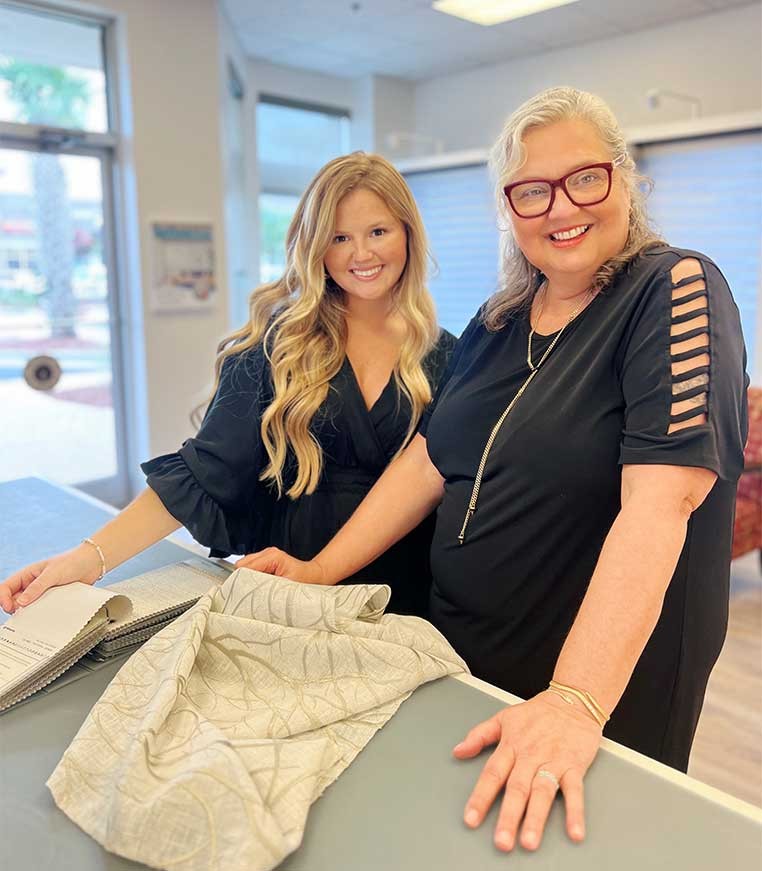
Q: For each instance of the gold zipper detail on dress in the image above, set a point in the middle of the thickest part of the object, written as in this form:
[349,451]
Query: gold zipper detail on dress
[496,428]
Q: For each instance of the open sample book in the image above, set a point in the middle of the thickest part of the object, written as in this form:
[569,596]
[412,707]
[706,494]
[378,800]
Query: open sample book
[40,642]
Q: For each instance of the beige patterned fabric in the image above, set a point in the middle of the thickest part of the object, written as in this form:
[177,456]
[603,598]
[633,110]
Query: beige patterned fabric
[211,743]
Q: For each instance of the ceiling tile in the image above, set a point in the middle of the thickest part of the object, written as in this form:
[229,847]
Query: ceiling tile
[729,4]
[563,26]
[348,44]
[631,17]
[311,28]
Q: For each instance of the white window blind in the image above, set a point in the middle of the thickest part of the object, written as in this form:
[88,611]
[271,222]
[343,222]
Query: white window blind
[708,197]
[459,213]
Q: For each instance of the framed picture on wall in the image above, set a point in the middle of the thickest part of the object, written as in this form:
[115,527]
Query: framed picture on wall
[182,267]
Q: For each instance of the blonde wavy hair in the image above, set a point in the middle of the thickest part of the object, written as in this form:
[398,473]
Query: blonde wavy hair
[519,279]
[300,318]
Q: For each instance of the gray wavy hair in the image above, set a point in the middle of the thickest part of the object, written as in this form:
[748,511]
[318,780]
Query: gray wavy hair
[519,279]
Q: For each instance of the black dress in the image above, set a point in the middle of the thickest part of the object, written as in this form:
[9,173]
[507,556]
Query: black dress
[211,485]
[506,598]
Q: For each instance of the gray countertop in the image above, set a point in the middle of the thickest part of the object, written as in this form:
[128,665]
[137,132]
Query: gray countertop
[398,806]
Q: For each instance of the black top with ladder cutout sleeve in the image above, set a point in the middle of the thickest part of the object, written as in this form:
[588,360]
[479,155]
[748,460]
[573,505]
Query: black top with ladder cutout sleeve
[606,396]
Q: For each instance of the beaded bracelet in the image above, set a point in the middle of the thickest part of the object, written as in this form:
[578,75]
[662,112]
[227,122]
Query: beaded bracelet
[100,555]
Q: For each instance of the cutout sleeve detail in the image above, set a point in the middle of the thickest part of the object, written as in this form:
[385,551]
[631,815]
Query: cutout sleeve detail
[682,370]
[690,319]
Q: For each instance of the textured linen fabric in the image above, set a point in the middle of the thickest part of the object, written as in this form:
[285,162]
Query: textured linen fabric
[211,485]
[506,598]
[211,743]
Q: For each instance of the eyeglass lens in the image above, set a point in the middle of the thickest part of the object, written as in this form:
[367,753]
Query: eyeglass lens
[584,187]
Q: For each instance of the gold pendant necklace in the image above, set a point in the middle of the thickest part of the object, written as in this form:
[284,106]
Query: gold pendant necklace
[533,370]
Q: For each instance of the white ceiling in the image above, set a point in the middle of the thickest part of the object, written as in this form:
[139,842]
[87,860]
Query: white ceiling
[407,38]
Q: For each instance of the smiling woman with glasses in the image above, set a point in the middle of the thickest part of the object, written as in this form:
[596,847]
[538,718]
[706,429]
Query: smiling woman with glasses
[581,453]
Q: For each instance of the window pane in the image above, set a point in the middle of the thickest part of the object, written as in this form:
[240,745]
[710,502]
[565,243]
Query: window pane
[275,213]
[296,140]
[51,71]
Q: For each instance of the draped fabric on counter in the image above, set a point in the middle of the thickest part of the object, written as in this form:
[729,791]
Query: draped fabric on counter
[211,743]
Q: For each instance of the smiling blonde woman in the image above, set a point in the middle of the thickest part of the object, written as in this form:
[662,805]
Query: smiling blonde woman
[314,396]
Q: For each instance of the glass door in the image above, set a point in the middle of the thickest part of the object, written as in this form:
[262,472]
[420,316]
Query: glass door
[57,382]
[61,402]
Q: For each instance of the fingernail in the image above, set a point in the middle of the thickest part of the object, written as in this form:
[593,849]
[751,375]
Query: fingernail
[529,839]
[577,832]
[471,817]
[504,840]
[459,746]
[22,600]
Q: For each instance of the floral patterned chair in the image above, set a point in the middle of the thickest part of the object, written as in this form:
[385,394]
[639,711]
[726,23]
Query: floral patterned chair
[747,532]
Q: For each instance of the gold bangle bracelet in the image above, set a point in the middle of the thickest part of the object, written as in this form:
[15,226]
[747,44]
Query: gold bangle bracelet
[588,707]
[570,701]
[100,556]
[586,698]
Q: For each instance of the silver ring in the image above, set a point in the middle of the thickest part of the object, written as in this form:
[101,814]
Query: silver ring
[543,772]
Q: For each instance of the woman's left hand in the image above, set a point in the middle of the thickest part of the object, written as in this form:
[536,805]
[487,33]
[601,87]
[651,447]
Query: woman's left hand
[545,735]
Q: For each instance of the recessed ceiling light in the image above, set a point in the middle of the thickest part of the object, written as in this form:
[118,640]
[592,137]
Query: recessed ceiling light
[489,12]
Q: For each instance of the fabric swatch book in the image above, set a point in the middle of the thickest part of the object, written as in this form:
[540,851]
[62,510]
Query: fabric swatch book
[40,642]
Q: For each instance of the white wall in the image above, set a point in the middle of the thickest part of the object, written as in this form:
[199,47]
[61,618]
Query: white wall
[395,109]
[173,154]
[716,57]
[363,117]
[384,106]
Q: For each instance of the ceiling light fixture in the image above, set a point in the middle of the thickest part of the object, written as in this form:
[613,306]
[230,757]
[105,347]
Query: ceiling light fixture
[488,12]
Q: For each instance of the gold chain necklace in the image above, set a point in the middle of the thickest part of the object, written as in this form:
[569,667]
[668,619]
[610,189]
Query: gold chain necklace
[540,310]
[533,370]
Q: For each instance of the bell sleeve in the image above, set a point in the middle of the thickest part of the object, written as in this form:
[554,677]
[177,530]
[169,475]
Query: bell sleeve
[211,485]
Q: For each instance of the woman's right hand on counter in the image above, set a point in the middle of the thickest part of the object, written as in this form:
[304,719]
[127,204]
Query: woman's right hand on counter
[24,586]
[142,523]
[273,561]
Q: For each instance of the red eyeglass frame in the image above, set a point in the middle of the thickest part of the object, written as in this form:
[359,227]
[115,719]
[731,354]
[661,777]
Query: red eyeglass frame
[561,183]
